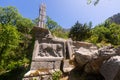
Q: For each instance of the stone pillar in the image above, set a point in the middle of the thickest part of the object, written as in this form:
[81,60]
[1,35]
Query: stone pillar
[42,16]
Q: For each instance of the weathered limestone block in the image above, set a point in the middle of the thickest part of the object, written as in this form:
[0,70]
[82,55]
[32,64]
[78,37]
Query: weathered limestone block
[41,65]
[69,50]
[50,50]
[78,44]
[47,59]
[62,42]
[111,68]
[57,64]
[92,60]
[92,64]
[67,67]
[83,56]
[40,33]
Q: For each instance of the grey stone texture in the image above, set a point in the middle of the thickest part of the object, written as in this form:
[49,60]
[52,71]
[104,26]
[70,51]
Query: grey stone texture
[48,51]
[111,68]
[69,49]
[103,62]
[42,65]
[93,60]
[67,67]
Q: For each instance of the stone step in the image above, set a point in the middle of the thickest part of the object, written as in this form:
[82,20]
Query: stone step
[67,67]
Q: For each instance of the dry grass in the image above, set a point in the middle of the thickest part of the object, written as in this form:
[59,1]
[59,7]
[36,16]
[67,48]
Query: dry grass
[37,72]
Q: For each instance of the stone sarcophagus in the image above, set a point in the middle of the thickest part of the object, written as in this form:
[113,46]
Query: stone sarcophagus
[48,51]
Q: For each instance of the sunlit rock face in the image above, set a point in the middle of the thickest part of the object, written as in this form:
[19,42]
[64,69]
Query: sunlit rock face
[103,62]
[48,51]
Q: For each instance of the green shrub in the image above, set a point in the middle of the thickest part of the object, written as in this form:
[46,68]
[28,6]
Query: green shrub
[56,75]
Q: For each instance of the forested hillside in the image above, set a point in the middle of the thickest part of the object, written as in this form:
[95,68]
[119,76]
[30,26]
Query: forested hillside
[115,18]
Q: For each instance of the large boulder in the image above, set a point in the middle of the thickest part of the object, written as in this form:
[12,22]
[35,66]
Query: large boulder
[93,59]
[103,62]
[111,68]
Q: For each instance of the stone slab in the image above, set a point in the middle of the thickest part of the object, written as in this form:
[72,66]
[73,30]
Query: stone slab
[45,59]
[41,65]
[46,65]
[70,49]
[57,64]
[66,66]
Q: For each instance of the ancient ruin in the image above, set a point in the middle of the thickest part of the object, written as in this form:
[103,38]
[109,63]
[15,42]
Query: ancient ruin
[49,52]
[82,60]
[42,15]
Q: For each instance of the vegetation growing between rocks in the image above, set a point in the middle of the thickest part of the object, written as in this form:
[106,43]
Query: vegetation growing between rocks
[56,75]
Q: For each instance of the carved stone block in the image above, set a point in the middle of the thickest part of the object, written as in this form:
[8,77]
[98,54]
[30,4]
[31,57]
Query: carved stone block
[57,64]
[41,65]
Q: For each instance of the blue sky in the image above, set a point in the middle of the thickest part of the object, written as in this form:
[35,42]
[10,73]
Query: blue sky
[67,12]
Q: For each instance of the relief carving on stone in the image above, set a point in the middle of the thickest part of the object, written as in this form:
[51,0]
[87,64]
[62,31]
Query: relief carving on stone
[50,50]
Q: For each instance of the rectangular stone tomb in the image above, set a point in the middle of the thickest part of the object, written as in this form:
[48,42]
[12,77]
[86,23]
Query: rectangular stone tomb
[48,56]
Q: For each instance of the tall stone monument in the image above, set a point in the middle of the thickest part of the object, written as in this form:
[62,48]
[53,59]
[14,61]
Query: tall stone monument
[42,15]
[48,52]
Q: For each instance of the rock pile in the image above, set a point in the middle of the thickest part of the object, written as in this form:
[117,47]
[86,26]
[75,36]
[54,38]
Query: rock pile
[96,64]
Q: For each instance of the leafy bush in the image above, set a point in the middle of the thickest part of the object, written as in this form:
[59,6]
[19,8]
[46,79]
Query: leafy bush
[56,75]
[80,32]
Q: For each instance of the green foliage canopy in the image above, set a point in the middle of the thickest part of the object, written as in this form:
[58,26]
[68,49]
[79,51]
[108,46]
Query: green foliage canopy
[15,39]
[56,29]
[9,40]
[107,33]
[24,25]
[80,32]
[51,24]
[99,34]
[9,15]
[114,34]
